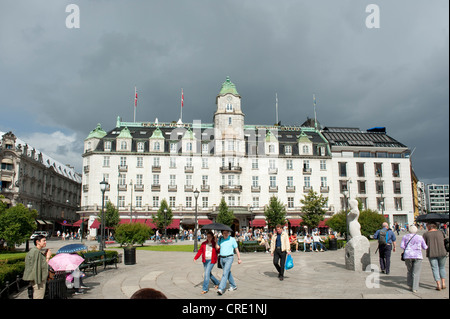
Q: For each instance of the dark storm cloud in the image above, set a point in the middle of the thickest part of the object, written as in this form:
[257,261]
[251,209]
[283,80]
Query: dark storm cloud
[69,80]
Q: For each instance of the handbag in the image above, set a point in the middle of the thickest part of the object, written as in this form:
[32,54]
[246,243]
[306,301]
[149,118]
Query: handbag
[289,262]
[403,253]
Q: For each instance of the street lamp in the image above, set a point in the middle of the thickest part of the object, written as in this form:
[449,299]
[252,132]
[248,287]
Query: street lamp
[103,186]
[345,192]
[27,244]
[131,201]
[196,194]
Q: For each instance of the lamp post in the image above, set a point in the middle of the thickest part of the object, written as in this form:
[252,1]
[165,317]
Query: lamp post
[27,244]
[103,185]
[131,201]
[345,192]
[165,223]
[196,193]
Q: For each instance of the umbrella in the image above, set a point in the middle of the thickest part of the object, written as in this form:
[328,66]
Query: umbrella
[433,217]
[71,248]
[66,262]
[216,226]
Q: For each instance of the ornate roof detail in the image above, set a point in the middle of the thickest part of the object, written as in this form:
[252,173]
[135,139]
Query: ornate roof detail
[98,132]
[228,87]
[125,133]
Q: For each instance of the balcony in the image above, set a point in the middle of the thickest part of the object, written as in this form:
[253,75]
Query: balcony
[273,170]
[156,188]
[189,169]
[273,189]
[139,188]
[156,169]
[306,189]
[188,188]
[123,168]
[172,188]
[307,171]
[230,188]
[123,187]
[256,189]
[230,169]
[204,188]
[290,189]
[324,189]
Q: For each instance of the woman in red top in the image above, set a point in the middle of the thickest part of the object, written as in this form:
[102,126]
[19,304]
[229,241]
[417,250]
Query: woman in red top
[209,258]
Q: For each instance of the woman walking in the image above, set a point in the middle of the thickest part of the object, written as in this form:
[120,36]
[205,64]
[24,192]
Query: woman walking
[436,253]
[413,245]
[227,246]
[209,258]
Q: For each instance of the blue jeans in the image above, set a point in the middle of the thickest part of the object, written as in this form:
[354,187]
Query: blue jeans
[208,275]
[438,267]
[226,263]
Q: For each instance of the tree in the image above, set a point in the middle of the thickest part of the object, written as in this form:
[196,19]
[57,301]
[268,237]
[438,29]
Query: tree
[134,233]
[338,222]
[225,215]
[275,213]
[162,220]
[313,209]
[370,221]
[17,223]
[112,217]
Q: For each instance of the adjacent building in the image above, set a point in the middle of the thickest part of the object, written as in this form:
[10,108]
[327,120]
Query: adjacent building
[246,164]
[437,198]
[39,182]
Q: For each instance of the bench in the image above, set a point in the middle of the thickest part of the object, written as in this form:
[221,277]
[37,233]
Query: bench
[92,259]
[251,245]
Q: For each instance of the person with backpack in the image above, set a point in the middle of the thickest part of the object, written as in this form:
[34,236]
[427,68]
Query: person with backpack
[386,244]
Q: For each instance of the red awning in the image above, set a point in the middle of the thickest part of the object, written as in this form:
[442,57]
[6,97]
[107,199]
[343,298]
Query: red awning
[258,223]
[175,224]
[295,222]
[322,223]
[95,224]
[202,222]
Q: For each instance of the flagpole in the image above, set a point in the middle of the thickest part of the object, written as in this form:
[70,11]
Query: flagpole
[315,115]
[276,108]
[135,104]
[181,107]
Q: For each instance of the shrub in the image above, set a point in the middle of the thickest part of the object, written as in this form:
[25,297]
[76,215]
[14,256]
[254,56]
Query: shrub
[133,233]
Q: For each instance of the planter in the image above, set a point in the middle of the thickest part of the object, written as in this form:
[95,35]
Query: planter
[129,254]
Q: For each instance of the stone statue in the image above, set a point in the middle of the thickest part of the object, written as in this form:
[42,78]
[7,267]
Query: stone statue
[357,250]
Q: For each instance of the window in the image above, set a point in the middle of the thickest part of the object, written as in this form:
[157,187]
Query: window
[398,203]
[138,179]
[307,181]
[173,180]
[255,181]
[290,181]
[156,146]
[189,201]
[189,162]
[105,161]
[155,201]
[140,146]
[360,169]
[395,170]
[107,146]
[139,162]
[254,163]
[123,145]
[172,201]
[156,162]
[229,107]
[123,161]
[273,181]
[155,179]
[342,169]
[379,187]
[271,148]
[255,202]
[379,169]
[397,187]
[289,164]
[173,147]
[380,204]
[343,186]
[205,148]
[204,180]
[288,150]
[138,201]
[305,149]
[230,145]
[106,177]
[323,165]
[204,162]
[189,146]
[290,201]
[173,162]
[121,201]
[230,180]
[231,201]
[122,179]
[305,164]
[205,202]
[188,180]
[363,201]
[323,181]
[230,121]
[361,187]
[272,164]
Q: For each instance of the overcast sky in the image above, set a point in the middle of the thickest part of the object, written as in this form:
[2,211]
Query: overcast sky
[58,83]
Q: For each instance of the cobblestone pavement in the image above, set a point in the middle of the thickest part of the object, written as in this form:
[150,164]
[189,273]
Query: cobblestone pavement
[315,275]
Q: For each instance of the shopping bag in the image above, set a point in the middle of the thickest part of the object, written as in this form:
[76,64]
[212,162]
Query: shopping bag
[289,262]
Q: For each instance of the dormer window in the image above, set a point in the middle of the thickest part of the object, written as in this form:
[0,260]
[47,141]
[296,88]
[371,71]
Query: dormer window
[123,145]
[140,147]
[157,146]
[288,150]
[271,148]
[107,146]
[229,107]
[305,149]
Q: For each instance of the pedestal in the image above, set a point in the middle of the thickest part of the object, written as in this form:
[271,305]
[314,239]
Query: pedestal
[357,254]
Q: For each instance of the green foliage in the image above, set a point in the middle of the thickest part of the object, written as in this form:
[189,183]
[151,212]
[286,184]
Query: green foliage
[275,213]
[17,223]
[313,209]
[225,216]
[112,217]
[9,272]
[159,219]
[338,222]
[134,233]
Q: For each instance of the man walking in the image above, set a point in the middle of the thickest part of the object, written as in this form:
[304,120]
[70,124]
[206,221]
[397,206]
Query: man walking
[279,247]
[36,267]
[386,244]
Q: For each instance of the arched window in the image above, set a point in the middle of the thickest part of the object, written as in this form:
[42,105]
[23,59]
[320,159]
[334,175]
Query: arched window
[305,149]
[123,145]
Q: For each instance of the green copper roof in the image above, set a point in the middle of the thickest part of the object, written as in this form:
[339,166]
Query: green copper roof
[157,134]
[125,133]
[98,132]
[303,138]
[189,135]
[270,137]
[228,87]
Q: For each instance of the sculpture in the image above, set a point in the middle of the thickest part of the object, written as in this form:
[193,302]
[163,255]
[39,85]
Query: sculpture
[353,215]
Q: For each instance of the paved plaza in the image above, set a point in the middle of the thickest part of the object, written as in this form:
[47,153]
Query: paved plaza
[315,275]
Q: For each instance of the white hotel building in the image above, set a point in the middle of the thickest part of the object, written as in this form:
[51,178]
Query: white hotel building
[146,162]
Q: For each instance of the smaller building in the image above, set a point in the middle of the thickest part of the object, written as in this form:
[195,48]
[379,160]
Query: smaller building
[39,182]
[437,198]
